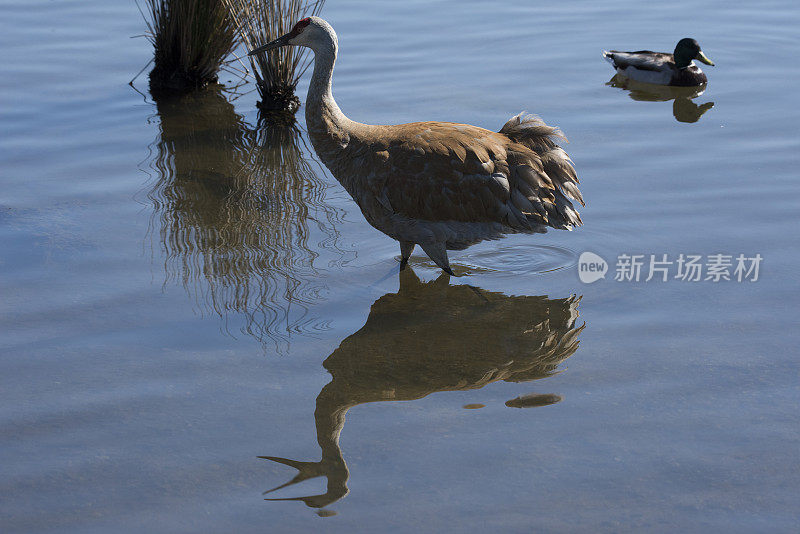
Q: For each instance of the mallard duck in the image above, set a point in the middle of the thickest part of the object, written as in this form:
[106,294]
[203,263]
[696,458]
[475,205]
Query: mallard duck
[660,68]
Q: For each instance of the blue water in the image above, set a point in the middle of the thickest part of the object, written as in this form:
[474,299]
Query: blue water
[167,317]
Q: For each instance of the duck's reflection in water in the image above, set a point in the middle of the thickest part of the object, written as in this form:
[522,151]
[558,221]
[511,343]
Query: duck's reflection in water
[431,337]
[683,107]
[234,208]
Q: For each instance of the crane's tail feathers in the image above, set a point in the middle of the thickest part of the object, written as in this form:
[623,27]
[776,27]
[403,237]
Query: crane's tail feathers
[556,212]
[545,186]
[524,127]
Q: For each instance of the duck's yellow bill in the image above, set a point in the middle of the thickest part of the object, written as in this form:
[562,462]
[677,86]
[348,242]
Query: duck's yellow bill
[704,58]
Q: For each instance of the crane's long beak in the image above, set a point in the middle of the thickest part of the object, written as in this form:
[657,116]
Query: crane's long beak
[704,58]
[283,40]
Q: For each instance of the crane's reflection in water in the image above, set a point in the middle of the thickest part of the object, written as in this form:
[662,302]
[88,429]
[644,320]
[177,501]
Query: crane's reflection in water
[234,210]
[401,353]
[683,107]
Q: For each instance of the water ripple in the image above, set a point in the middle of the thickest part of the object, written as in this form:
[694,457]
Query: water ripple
[518,259]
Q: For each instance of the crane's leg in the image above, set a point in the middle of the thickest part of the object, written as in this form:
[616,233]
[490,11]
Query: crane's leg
[438,253]
[406,248]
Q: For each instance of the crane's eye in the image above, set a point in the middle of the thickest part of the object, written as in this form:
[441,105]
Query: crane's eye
[300,26]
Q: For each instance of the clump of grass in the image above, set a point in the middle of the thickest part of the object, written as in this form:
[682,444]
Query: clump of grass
[278,71]
[191,38]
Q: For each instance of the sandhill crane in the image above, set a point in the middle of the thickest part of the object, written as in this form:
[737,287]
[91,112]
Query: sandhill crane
[440,185]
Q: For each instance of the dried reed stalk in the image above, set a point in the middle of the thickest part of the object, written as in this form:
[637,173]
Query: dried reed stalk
[191,38]
[278,71]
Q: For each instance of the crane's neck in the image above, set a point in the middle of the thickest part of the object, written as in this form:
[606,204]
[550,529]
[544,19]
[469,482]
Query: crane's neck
[323,116]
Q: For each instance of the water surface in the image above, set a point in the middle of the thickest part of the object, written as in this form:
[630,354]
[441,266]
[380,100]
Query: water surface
[185,291]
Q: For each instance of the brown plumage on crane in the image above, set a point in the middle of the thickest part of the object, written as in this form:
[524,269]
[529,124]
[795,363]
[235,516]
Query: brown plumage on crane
[440,185]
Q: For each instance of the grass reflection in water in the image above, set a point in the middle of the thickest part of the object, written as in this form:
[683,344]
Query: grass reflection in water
[234,210]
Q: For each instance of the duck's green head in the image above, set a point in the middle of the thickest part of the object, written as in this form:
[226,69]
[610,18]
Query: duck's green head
[688,49]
